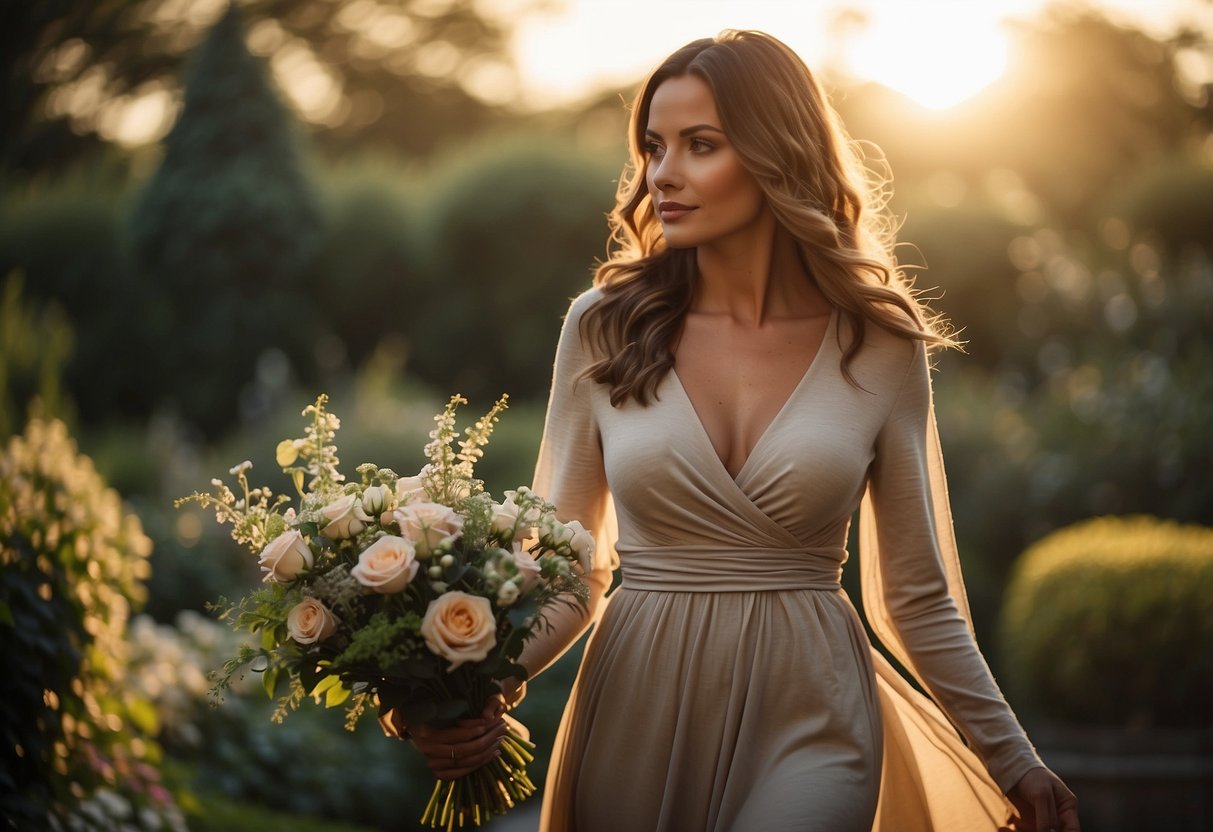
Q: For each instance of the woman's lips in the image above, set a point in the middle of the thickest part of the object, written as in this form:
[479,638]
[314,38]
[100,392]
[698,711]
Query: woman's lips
[671,211]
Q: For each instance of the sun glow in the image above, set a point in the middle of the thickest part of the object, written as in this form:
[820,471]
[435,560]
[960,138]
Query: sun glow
[936,52]
[938,55]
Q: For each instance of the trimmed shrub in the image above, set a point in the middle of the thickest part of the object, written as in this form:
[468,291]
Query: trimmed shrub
[228,231]
[76,745]
[1110,621]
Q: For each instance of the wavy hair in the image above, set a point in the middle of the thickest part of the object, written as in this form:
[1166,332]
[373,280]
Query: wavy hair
[814,179]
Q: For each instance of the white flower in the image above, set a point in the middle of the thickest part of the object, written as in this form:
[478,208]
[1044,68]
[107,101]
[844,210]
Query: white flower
[387,565]
[285,557]
[459,627]
[582,544]
[310,621]
[345,517]
[553,533]
[505,517]
[507,594]
[376,499]
[430,526]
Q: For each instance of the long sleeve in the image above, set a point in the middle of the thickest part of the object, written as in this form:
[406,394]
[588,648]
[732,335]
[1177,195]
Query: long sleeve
[913,591]
[570,474]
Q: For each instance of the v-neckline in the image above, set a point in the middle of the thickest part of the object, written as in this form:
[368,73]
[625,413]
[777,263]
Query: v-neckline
[703,431]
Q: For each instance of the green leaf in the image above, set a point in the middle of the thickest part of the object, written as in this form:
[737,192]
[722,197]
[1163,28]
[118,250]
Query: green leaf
[269,680]
[520,612]
[454,572]
[323,686]
[336,695]
[512,669]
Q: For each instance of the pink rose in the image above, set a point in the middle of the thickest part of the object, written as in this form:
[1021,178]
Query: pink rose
[429,526]
[528,569]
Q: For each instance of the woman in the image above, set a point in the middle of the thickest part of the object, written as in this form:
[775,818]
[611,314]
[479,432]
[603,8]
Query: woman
[749,368]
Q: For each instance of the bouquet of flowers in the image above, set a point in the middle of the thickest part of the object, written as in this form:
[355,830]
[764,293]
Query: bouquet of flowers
[417,591]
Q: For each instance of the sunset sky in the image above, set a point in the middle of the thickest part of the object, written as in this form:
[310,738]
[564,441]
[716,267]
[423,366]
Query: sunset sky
[938,52]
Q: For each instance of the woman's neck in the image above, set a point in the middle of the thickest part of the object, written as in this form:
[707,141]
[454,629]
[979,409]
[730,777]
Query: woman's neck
[756,278]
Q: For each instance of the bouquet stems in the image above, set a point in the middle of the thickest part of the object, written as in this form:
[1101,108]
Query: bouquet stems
[487,792]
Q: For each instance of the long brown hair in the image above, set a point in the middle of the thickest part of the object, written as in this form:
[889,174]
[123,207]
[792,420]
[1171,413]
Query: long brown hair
[790,139]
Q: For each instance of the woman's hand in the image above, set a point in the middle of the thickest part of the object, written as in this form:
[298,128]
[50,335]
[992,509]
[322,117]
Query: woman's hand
[459,749]
[1044,803]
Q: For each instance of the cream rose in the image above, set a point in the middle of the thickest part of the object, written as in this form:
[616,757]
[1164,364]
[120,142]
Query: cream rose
[345,517]
[387,565]
[459,627]
[410,489]
[285,557]
[310,621]
[582,544]
[428,525]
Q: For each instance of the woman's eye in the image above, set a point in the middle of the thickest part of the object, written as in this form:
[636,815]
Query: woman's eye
[701,146]
[653,149]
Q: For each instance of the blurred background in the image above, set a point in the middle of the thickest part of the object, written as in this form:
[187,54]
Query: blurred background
[209,213]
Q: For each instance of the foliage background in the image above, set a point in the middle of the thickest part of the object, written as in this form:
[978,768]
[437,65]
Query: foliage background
[177,303]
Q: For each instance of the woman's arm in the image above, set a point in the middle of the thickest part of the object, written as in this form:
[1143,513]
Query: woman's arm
[915,599]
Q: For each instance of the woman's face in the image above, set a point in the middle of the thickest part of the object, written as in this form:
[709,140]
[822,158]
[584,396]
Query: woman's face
[701,192]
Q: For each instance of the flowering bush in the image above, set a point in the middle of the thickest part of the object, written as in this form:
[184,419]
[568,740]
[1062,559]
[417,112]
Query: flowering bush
[419,591]
[78,751]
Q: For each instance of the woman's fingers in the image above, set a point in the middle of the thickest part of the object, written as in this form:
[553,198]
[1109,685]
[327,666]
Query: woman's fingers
[1046,812]
[452,759]
[460,749]
[1067,810]
[1044,802]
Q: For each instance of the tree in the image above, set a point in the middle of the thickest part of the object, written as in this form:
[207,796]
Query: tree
[402,70]
[225,234]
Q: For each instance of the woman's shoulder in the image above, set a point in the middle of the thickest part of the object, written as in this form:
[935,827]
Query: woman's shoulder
[885,357]
[582,302]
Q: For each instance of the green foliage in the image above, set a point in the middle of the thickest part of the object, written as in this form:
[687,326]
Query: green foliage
[34,346]
[308,766]
[388,96]
[1173,199]
[1110,621]
[374,261]
[69,243]
[75,738]
[226,231]
[515,226]
[218,814]
[1102,407]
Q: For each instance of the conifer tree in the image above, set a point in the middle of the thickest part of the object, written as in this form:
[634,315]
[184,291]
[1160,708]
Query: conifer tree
[226,233]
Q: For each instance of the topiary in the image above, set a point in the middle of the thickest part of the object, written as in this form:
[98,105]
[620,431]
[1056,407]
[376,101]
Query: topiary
[75,741]
[1110,621]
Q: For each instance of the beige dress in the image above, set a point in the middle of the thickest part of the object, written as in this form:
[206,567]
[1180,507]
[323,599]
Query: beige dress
[729,684]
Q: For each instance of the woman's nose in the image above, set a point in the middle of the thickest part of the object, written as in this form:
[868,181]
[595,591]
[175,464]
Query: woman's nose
[665,174]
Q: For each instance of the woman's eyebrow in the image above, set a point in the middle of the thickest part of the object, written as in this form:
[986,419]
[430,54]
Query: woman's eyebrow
[686,131]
